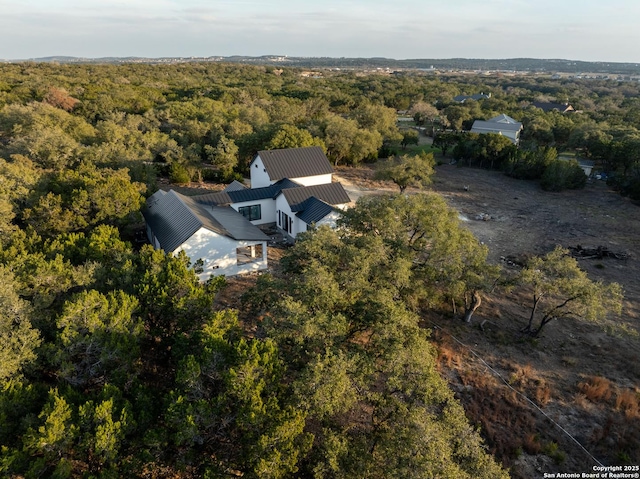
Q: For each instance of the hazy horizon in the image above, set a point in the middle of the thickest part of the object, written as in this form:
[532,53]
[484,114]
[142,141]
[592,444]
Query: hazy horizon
[495,29]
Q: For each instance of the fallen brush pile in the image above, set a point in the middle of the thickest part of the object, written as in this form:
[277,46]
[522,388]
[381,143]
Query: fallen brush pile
[599,252]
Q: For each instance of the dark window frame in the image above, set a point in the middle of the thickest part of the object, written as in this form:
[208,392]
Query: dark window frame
[251,212]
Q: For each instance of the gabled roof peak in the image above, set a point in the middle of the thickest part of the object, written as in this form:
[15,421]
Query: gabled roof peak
[295,162]
[504,119]
[174,218]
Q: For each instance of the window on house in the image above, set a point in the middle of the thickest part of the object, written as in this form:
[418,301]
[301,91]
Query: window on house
[252,213]
[249,254]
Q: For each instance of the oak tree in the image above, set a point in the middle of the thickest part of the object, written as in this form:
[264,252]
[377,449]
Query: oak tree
[560,289]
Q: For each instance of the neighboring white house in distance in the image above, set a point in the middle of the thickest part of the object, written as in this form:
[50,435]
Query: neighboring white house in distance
[224,240]
[586,165]
[502,125]
[291,189]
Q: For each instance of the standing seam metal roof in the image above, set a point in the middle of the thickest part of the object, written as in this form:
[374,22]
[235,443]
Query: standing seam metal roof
[492,126]
[504,120]
[248,194]
[331,193]
[546,106]
[314,210]
[235,185]
[295,162]
[174,218]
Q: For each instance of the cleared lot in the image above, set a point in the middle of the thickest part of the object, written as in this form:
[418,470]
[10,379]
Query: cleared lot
[586,377]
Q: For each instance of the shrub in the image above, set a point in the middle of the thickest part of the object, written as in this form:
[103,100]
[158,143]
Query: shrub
[596,389]
[552,450]
[626,186]
[563,175]
[179,174]
[530,164]
[627,402]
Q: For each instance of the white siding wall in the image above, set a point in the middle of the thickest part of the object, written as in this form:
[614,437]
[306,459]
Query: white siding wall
[219,254]
[314,180]
[297,226]
[283,206]
[259,176]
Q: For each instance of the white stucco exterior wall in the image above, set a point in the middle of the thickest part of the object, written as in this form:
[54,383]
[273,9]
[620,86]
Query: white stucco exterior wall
[152,238]
[258,173]
[297,225]
[219,254]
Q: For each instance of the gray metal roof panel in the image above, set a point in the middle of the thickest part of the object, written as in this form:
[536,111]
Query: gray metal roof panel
[295,162]
[331,193]
[504,119]
[174,218]
[171,221]
[314,210]
[236,225]
[248,194]
[235,185]
[493,126]
[212,199]
[224,220]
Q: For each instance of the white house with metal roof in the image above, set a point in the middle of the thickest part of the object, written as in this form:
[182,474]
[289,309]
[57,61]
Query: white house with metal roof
[255,204]
[501,125]
[283,182]
[476,97]
[221,228]
[222,239]
[298,209]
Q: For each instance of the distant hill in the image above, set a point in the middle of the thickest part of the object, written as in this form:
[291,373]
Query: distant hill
[511,64]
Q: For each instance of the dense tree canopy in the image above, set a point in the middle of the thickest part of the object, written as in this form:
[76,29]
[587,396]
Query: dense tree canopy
[116,361]
[356,350]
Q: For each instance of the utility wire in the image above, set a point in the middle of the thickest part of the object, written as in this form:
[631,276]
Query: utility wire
[519,393]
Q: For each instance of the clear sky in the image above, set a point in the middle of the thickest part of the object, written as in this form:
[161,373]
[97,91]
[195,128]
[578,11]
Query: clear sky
[592,30]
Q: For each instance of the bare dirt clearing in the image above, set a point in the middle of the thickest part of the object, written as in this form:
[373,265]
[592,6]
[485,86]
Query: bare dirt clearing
[516,218]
